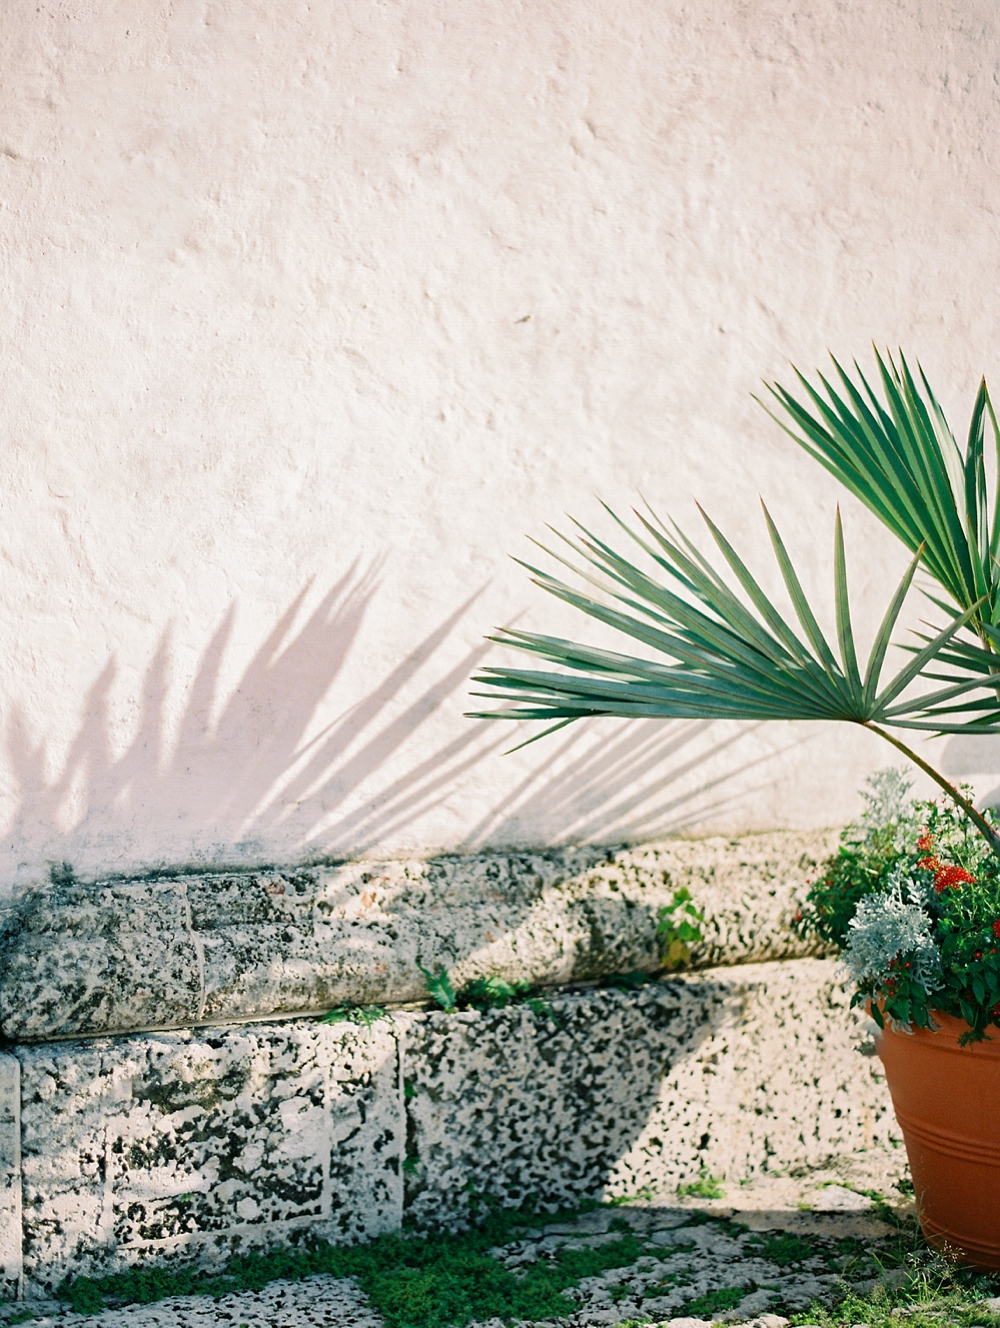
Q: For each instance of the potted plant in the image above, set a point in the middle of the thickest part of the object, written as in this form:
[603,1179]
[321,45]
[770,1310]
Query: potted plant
[727,652]
[912,900]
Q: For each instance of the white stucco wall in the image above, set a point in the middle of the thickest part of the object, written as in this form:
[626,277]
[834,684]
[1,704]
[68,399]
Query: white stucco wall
[312,311]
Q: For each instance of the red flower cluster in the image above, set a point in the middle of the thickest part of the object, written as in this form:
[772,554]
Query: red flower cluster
[996,929]
[949,877]
[946,875]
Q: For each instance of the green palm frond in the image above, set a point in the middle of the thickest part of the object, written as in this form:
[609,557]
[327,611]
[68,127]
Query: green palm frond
[732,656]
[725,652]
[897,454]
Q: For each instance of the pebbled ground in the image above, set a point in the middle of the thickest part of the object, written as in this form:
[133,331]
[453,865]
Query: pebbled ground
[758,1254]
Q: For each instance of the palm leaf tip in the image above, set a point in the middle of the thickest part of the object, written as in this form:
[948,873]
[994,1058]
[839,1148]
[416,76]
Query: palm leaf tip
[894,450]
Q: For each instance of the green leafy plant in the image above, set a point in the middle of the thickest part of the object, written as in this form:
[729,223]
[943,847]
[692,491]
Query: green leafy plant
[782,1248]
[490,993]
[705,1187]
[727,651]
[436,1280]
[634,980]
[868,848]
[439,988]
[914,904]
[541,1009]
[899,456]
[364,1015]
[716,1302]
[678,928]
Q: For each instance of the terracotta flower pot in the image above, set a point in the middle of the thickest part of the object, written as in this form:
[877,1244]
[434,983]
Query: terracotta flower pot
[947,1101]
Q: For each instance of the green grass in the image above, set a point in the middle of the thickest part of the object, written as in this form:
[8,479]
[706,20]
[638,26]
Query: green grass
[714,1302]
[363,1015]
[413,1281]
[933,1292]
[782,1248]
[447,1280]
[705,1187]
[955,1308]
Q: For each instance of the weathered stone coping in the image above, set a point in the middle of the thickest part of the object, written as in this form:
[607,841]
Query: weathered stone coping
[193,950]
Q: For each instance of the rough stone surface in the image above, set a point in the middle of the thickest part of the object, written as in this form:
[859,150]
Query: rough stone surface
[733,1071]
[178,1146]
[173,1146]
[119,956]
[685,1252]
[315,1302]
[10,1176]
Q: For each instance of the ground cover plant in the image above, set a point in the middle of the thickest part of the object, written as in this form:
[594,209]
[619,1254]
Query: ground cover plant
[413,1280]
[449,1280]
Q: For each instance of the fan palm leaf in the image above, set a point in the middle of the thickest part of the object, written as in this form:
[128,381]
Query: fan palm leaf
[898,455]
[728,653]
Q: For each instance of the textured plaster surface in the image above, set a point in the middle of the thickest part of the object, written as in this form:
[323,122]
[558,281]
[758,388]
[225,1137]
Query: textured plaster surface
[140,954]
[736,1072]
[314,311]
[180,1146]
[177,1146]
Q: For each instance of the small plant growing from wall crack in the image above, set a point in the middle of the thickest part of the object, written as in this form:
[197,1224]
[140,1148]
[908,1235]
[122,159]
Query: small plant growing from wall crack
[678,928]
[634,980]
[489,993]
[363,1015]
[705,1187]
[439,988]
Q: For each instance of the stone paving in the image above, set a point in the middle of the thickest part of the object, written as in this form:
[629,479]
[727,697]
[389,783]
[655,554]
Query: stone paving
[781,1241]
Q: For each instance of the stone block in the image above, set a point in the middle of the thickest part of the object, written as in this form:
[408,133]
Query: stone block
[181,1147]
[730,1071]
[10,1178]
[120,956]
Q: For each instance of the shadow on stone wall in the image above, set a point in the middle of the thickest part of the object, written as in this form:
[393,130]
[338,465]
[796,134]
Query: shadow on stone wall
[625,789]
[238,772]
[736,1072]
[232,775]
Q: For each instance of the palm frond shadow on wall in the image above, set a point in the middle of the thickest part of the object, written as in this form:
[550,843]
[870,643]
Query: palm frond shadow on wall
[232,775]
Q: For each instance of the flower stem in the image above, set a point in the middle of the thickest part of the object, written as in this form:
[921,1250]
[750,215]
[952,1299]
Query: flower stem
[978,820]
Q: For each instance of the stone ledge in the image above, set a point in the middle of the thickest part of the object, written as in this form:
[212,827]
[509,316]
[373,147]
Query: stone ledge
[184,1147]
[110,957]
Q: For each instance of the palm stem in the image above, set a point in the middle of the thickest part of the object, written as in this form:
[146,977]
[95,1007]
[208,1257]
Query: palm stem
[978,820]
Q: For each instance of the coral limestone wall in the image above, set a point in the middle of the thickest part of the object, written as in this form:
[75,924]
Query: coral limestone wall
[169,1090]
[312,312]
[184,1147]
[176,951]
